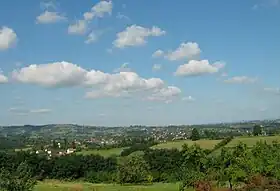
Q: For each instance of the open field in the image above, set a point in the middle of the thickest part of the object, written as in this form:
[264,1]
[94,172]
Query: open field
[23,149]
[54,185]
[206,144]
[105,153]
[251,141]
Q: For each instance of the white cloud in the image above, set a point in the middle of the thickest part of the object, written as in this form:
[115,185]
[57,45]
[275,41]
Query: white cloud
[88,16]
[165,94]
[188,99]
[3,78]
[65,74]
[80,27]
[184,51]
[124,83]
[23,111]
[273,90]
[8,38]
[122,16]
[196,68]
[136,36]
[240,80]
[158,53]
[156,67]
[47,5]
[266,4]
[99,10]
[40,111]
[51,75]
[102,8]
[219,64]
[92,37]
[123,68]
[18,110]
[48,17]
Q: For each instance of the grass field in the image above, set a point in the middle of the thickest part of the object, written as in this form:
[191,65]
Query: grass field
[24,149]
[251,141]
[54,185]
[105,153]
[206,144]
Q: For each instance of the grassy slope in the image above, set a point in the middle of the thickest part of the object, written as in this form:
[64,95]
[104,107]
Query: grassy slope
[105,153]
[80,186]
[206,144]
[251,141]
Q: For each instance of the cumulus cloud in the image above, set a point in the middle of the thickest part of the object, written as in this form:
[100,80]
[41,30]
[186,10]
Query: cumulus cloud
[8,38]
[51,75]
[240,80]
[165,94]
[3,78]
[48,17]
[65,74]
[99,10]
[125,83]
[156,67]
[197,67]
[158,53]
[136,36]
[184,51]
[80,27]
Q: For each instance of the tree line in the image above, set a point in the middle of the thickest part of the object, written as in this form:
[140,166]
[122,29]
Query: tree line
[231,166]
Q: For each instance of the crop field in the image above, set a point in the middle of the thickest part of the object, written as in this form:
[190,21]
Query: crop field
[206,144]
[53,185]
[105,153]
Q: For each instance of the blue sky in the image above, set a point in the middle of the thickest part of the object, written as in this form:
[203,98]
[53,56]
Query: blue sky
[126,62]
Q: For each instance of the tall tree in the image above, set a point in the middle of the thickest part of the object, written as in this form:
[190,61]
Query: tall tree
[133,169]
[195,135]
[257,130]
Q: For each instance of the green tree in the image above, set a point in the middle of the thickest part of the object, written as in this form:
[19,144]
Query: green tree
[195,135]
[257,130]
[54,144]
[20,180]
[133,169]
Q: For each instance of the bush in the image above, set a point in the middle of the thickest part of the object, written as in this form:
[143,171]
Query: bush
[222,143]
[136,147]
[101,177]
[20,180]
